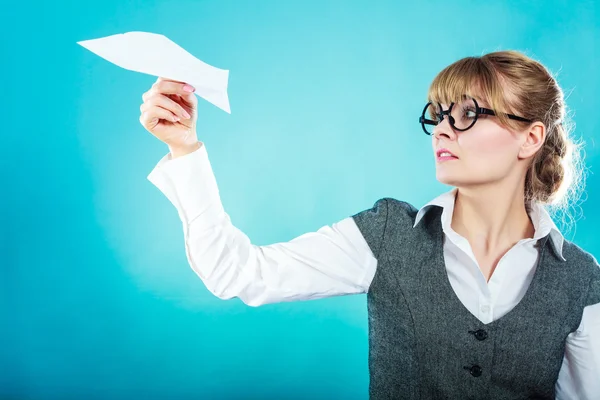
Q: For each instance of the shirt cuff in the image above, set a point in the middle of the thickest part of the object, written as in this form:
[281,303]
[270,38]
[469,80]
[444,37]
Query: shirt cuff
[189,183]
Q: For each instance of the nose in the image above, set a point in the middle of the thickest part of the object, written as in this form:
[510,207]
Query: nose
[444,129]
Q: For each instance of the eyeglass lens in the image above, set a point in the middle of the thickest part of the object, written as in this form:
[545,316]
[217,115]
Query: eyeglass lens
[463,115]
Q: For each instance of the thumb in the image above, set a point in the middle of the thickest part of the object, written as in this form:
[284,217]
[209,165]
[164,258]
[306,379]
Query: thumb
[189,100]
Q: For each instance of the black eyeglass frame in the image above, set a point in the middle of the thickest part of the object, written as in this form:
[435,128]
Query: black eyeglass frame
[478,111]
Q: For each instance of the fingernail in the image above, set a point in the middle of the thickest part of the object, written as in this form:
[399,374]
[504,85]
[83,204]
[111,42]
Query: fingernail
[186,115]
[188,88]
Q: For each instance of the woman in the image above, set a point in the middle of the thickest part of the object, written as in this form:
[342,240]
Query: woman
[477,294]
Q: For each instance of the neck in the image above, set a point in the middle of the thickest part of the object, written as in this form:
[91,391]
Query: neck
[492,217]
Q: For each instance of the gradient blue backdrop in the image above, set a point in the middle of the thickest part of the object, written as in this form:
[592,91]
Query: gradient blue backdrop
[97,298]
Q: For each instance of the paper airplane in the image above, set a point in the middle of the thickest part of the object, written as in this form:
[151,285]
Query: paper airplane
[157,55]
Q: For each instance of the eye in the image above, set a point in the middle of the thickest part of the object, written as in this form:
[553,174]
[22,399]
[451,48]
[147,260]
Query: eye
[469,113]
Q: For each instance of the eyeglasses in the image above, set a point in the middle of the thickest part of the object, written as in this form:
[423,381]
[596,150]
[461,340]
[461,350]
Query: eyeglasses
[462,116]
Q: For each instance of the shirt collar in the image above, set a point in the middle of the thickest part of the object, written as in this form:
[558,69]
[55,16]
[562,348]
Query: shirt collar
[542,222]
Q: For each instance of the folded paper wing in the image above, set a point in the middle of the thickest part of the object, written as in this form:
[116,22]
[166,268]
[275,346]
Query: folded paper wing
[157,55]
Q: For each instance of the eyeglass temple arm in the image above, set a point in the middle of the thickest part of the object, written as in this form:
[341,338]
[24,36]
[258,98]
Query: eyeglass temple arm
[511,116]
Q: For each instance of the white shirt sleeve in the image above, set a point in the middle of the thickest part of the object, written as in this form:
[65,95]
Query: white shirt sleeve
[579,376]
[335,260]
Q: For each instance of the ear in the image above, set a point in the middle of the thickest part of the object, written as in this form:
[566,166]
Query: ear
[534,137]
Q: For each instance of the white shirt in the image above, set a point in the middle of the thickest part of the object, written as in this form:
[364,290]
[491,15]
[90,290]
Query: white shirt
[336,260]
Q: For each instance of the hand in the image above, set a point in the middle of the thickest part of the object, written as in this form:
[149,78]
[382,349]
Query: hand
[163,113]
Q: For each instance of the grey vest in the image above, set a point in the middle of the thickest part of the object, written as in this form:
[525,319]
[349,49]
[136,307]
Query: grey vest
[423,342]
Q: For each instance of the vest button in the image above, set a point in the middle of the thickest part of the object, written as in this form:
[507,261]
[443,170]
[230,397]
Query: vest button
[480,334]
[476,370]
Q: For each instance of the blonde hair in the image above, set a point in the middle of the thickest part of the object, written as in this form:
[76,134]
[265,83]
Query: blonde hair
[513,83]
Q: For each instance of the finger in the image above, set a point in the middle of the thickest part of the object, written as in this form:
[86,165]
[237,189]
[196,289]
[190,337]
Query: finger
[166,103]
[168,88]
[150,117]
[175,97]
[149,121]
[188,102]
[171,87]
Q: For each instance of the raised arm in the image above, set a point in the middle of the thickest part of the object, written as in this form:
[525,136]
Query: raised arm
[335,260]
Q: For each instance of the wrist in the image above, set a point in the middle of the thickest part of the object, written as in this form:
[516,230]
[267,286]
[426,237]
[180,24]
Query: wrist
[182,150]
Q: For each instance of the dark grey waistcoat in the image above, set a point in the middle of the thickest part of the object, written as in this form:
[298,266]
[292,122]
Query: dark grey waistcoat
[423,342]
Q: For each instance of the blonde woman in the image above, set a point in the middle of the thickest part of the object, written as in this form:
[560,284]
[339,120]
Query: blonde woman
[475,295]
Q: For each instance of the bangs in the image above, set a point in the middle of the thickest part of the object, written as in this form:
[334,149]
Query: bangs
[470,76]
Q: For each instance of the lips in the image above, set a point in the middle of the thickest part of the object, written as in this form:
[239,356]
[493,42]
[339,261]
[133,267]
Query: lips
[444,153]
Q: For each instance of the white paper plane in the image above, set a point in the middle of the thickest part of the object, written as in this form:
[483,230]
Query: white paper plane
[157,55]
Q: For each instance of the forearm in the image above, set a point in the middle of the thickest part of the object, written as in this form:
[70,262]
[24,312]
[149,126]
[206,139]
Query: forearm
[182,150]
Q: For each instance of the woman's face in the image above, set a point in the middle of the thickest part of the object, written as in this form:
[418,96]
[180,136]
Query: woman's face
[485,153]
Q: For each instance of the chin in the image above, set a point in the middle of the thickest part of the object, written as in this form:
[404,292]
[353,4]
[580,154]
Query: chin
[446,177]
[451,179]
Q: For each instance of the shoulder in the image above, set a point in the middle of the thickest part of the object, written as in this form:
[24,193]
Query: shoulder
[583,262]
[580,257]
[403,207]
[373,222]
[385,208]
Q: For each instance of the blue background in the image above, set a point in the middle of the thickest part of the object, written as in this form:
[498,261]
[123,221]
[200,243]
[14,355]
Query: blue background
[97,299]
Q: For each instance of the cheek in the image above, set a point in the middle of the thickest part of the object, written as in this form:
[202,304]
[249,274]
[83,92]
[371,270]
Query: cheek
[489,146]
